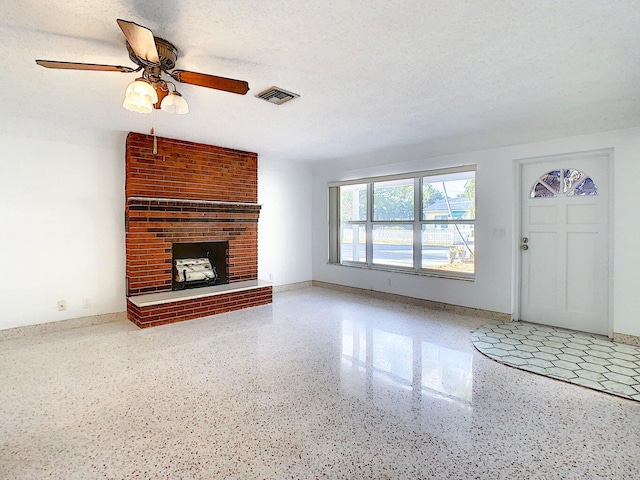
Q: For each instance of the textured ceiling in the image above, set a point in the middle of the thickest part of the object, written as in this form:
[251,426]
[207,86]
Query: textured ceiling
[451,75]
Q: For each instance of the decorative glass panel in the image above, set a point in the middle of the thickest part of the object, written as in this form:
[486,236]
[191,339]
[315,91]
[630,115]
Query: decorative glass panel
[574,183]
[572,178]
[552,179]
[540,190]
[587,187]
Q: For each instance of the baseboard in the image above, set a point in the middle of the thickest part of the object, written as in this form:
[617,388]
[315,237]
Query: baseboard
[292,286]
[42,328]
[457,309]
[626,339]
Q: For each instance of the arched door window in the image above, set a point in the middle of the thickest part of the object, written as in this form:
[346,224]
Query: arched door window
[565,181]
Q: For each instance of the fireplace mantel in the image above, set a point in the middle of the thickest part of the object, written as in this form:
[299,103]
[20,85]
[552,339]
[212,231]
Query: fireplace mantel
[161,203]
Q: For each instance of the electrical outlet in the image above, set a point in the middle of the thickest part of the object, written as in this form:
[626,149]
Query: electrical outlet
[86,303]
[271,277]
[62,305]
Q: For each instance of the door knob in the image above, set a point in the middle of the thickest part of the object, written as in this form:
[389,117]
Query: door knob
[525,242]
[524,247]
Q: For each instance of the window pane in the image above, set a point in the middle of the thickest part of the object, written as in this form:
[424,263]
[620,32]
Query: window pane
[552,179]
[393,245]
[571,178]
[449,197]
[353,244]
[587,187]
[353,202]
[541,191]
[449,250]
[393,200]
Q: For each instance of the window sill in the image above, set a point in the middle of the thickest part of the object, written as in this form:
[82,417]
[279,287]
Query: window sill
[466,277]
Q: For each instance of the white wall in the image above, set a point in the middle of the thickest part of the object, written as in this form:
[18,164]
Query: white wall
[284,228]
[62,226]
[62,219]
[492,288]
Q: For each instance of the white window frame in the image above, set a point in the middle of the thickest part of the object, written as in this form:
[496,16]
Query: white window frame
[335,225]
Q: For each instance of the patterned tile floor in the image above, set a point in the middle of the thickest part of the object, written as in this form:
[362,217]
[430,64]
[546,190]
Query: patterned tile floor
[589,360]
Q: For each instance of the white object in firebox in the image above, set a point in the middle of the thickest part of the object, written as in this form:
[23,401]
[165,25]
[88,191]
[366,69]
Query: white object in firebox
[193,269]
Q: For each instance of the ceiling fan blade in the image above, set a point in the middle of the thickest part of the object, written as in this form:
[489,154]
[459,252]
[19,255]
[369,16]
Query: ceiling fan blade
[84,66]
[211,81]
[141,40]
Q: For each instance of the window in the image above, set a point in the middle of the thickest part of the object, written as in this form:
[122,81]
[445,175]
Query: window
[421,223]
[567,182]
[353,212]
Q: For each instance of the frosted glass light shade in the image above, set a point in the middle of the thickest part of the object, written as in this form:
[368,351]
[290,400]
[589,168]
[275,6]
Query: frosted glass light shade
[137,102]
[174,103]
[144,87]
[140,96]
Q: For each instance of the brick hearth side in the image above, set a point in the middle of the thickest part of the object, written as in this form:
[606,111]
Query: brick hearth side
[188,192]
[155,315]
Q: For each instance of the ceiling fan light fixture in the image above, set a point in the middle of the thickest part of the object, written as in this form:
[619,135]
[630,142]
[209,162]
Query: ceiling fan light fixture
[155,57]
[136,102]
[140,96]
[144,87]
[174,103]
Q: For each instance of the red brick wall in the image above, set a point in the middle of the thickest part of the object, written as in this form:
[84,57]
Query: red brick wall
[189,171]
[191,178]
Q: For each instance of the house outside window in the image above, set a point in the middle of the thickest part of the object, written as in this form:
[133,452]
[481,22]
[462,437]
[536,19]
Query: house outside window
[420,223]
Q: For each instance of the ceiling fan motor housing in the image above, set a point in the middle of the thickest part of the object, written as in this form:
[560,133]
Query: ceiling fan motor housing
[167,53]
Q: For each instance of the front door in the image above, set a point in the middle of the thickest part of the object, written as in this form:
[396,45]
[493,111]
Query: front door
[564,247]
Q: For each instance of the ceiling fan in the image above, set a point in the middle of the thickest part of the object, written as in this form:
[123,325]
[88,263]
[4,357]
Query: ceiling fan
[154,57]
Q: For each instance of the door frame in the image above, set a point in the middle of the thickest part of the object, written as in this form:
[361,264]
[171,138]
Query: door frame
[516,280]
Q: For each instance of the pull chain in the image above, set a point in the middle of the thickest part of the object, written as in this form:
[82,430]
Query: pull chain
[153,132]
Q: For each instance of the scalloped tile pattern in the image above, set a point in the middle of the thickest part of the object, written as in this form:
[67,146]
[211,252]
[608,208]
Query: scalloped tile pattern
[584,359]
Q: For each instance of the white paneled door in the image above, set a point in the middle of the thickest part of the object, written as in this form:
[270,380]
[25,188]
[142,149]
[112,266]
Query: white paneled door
[564,247]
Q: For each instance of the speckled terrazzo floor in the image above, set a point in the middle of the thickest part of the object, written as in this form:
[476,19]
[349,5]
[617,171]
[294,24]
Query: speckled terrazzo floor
[320,384]
[592,361]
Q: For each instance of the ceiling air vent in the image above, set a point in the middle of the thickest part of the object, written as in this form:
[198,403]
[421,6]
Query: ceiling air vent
[277,95]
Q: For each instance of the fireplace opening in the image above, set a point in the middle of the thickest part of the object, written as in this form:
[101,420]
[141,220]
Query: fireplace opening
[199,264]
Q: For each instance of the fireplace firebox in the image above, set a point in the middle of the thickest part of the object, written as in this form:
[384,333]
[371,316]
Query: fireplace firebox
[200,264]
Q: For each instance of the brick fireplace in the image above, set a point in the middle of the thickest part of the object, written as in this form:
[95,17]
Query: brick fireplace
[189,193]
